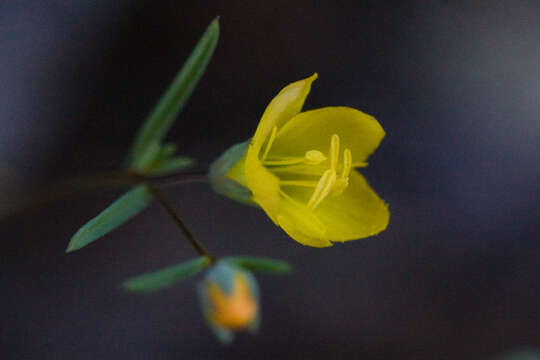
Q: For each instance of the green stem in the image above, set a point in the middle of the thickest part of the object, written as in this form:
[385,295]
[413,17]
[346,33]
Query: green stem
[201,250]
[65,189]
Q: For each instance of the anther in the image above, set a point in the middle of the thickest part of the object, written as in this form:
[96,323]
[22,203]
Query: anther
[322,189]
[343,182]
[334,151]
[347,163]
[314,157]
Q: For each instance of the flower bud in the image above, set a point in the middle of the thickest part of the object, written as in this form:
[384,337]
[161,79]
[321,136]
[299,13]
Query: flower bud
[229,299]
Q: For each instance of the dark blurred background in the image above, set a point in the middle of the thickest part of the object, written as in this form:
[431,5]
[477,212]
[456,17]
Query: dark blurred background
[456,86]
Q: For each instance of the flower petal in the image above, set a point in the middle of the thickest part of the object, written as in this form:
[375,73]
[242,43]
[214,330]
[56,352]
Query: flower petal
[312,130]
[263,184]
[282,108]
[301,224]
[294,232]
[357,213]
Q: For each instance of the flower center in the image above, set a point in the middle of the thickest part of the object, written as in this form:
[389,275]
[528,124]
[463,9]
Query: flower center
[333,176]
[330,182]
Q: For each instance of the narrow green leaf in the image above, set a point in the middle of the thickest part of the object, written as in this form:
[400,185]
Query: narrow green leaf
[171,165]
[120,211]
[151,155]
[261,264]
[166,277]
[167,150]
[158,123]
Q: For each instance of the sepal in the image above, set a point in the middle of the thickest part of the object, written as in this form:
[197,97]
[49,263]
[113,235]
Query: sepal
[220,170]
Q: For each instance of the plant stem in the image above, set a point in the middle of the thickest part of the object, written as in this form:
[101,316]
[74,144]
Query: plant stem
[82,184]
[201,250]
[179,179]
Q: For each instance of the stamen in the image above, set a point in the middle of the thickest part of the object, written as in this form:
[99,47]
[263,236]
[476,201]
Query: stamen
[314,157]
[289,161]
[305,183]
[323,188]
[334,152]
[270,142]
[359,164]
[347,163]
[343,181]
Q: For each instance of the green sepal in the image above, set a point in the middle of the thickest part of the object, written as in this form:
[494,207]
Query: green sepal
[223,185]
[260,264]
[162,117]
[224,336]
[116,214]
[166,277]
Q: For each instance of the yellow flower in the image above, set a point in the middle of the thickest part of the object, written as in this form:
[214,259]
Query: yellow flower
[229,297]
[300,169]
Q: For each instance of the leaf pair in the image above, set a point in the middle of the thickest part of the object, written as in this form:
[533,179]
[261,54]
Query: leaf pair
[147,145]
[148,155]
[171,275]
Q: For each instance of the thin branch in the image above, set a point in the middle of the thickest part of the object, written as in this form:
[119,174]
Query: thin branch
[178,179]
[201,250]
[27,200]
